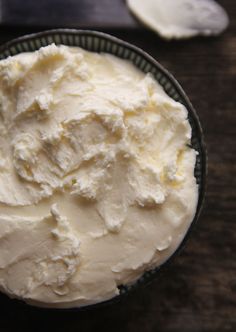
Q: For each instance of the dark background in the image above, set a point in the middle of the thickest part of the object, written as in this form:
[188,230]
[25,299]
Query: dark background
[197,292]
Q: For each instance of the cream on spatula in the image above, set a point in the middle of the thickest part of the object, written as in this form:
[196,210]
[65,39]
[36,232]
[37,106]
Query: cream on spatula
[177,19]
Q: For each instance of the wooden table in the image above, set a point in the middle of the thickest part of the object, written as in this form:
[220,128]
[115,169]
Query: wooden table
[198,291]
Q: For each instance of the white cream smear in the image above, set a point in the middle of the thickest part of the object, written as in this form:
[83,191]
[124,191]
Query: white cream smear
[96,176]
[176,19]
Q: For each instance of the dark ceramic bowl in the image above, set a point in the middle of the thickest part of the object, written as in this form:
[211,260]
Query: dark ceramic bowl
[99,42]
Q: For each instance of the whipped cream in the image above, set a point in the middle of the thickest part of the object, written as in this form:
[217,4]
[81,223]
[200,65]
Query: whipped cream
[96,176]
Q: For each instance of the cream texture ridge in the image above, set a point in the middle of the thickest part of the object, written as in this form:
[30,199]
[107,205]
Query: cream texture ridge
[96,176]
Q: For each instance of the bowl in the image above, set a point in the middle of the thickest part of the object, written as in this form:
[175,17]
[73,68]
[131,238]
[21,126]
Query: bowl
[100,42]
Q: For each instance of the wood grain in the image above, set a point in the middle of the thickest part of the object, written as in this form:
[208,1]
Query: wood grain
[198,291]
[76,13]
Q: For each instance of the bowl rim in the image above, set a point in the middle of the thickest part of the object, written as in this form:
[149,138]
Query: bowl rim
[199,133]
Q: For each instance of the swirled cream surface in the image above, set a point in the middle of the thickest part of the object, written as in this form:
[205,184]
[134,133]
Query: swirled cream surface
[96,176]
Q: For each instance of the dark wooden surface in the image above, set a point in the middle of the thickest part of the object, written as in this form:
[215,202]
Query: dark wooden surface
[76,13]
[198,291]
